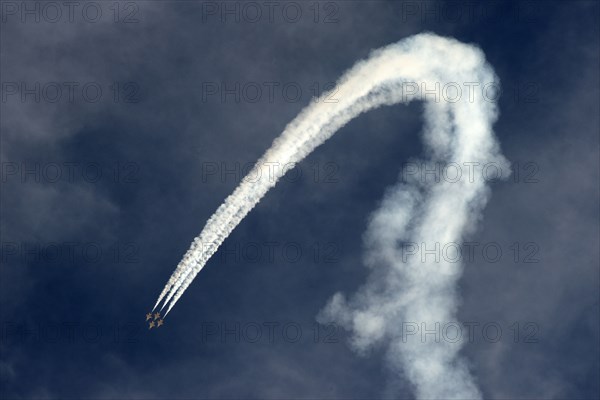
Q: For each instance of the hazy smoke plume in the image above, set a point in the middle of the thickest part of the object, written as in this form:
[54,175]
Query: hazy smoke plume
[400,289]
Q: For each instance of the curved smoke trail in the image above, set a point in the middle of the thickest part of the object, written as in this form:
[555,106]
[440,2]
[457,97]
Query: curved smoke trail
[457,130]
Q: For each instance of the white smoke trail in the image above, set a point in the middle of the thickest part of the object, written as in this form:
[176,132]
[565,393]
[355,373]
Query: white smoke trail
[457,131]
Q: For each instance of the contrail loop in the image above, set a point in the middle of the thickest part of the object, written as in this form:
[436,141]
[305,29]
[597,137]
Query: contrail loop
[456,131]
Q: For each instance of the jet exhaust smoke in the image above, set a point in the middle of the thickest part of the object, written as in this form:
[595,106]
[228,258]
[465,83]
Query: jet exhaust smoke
[398,290]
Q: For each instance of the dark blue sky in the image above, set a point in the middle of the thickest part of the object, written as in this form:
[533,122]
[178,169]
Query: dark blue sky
[145,163]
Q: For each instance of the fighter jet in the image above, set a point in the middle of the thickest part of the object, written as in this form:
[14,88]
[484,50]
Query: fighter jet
[148,316]
[160,322]
[156,316]
[151,325]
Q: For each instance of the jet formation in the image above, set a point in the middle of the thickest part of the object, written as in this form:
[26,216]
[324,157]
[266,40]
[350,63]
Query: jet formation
[155,320]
